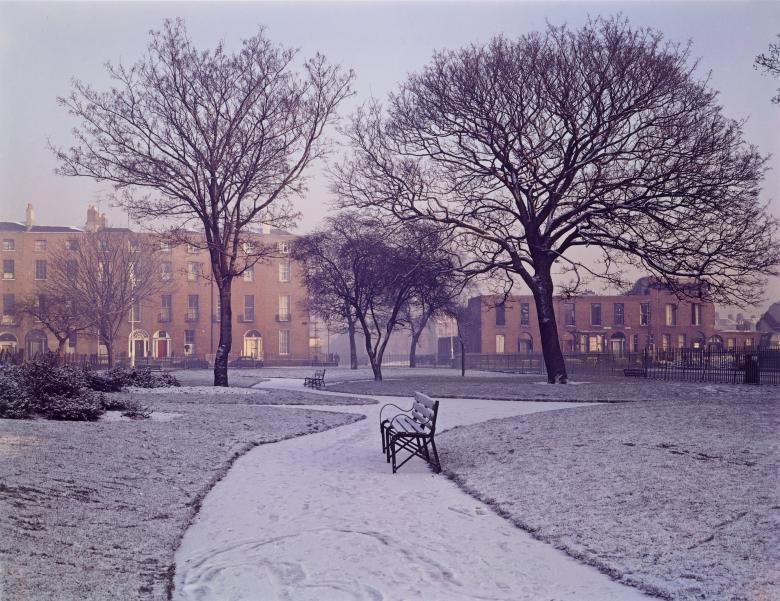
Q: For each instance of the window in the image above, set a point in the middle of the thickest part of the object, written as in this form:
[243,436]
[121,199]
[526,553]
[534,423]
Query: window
[501,314]
[191,248]
[218,315]
[9,244]
[41,302]
[283,247]
[72,341]
[748,342]
[635,343]
[71,268]
[670,314]
[189,336]
[681,342]
[8,269]
[165,308]
[284,271]
[103,244]
[666,341]
[40,246]
[72,244]
[525,314]
[249,274]
[101,271]
[568,314]
[284,307]
[193,271]
[40,269]
[583,343]
[596,343]
[731,343]
[9,305]
[618,314]
[595,314]
[284,342]
[644,314]
[166,271]
[134,244]
[695,314]
[499,343]
[193,304]
[248,247]
[249,307]
[165,246]
[135,312]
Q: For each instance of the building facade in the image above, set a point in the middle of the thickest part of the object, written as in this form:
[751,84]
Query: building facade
[648,317]
[182,320]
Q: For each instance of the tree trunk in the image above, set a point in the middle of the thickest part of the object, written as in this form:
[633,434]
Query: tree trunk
[109,352]
[353,362]
[462,357]
[61,342]
[548,328]
[413,348]
[225,336]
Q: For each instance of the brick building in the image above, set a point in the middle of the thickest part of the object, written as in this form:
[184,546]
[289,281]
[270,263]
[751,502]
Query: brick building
[648,316]
[183,319]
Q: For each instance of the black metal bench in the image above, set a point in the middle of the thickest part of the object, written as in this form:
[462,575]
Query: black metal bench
[412,431]
[316,381]
[635,372]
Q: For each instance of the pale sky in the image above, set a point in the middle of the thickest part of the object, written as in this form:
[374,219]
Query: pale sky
[44,45]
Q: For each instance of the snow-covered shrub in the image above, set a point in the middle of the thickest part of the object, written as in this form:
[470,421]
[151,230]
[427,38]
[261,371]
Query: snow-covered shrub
[136,410]
[145,378]
[110,380]
[14,399]
[85,406]
[44,380]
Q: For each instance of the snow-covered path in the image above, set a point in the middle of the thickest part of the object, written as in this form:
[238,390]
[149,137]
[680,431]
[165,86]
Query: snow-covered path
[321,517]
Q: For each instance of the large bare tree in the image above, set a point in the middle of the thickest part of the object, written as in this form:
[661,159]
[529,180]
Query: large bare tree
[104,276]
[601,137]
[769,62]
[57,312]
[212,137]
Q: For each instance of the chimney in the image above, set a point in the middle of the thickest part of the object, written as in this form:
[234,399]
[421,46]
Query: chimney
[92,219]
[29,217]
[103,222]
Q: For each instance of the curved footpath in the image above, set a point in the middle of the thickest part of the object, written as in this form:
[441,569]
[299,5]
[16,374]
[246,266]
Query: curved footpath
[321,517]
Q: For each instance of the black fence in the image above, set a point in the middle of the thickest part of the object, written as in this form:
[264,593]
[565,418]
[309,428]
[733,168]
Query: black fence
[726,366]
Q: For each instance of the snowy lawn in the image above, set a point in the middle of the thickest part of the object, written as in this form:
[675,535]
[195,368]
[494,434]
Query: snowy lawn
[205,377]
[677,498]
[94,511]
[251,396]
[483,385]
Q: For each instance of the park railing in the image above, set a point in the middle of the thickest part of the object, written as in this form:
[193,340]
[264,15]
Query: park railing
[746,365]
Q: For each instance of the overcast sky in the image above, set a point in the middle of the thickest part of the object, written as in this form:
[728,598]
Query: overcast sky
[44,45]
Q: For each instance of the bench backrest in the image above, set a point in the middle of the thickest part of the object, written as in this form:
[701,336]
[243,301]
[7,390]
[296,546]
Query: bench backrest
[425,410]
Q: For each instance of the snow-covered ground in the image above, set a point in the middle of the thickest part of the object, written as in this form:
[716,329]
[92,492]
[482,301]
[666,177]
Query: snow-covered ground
[676,497]
[323,518]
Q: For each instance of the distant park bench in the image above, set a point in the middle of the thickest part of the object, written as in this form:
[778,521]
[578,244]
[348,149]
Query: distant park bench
[635,372]
[411,430]
[316,381]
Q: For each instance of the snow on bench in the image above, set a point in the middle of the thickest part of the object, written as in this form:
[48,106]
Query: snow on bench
[412,431]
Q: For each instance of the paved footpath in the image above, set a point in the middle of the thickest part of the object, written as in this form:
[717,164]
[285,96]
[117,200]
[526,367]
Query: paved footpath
[321,517]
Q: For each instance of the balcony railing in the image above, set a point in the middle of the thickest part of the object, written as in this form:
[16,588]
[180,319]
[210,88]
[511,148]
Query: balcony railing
[191,315]
[164,316]
[283,317]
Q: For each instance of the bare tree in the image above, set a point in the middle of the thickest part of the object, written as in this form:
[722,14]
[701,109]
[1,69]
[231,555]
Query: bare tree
[770,63]
[603,137]
[373,269]
[216,138]
[104,277]
[56,312]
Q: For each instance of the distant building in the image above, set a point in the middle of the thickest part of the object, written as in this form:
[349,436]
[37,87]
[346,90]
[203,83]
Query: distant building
[183,320]
[769,326]
[648,316]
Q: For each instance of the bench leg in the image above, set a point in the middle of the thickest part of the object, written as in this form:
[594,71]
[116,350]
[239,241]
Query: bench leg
[437,465]
[392,452]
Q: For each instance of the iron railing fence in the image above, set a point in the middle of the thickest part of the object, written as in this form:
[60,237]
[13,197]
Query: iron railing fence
[748,365]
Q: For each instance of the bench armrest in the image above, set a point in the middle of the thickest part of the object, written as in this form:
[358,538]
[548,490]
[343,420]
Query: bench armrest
[405,411]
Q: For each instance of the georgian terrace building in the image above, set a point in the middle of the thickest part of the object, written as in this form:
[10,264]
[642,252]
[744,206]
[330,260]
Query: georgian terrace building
[647,317]
[183,319]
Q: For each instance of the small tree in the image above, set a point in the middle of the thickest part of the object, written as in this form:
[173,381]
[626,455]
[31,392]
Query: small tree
[57,313]
[210,137]
[603,137]
[104,277]
[770,63]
